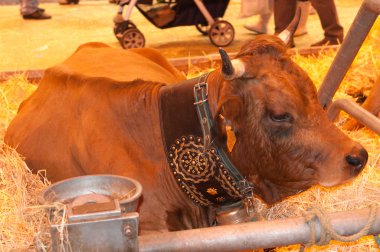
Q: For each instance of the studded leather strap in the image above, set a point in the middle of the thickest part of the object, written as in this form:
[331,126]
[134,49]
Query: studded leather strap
[200,172]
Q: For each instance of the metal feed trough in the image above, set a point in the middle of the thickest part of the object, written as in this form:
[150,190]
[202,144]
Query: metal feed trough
[364,20]
[95,213]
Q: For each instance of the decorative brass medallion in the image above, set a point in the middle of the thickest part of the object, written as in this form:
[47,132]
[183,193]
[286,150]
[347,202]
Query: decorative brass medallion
[201,174]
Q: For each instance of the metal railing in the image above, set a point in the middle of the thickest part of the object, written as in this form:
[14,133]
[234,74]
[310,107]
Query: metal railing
[364,20]
[261,234]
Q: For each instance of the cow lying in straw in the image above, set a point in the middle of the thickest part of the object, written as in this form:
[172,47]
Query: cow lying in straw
[253,127]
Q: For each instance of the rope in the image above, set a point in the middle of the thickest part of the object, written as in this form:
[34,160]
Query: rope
[327,231]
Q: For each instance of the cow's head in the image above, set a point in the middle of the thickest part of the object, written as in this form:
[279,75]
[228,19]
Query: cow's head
[284,140]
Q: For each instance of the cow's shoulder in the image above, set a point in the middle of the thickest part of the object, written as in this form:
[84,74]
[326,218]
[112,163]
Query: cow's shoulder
[155,56]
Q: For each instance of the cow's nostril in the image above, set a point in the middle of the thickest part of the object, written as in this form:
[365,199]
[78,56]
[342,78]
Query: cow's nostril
[352,160]
[357,161]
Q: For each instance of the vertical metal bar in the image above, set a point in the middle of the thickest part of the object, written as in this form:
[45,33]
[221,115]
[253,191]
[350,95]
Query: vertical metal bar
[129,10]
[347,52]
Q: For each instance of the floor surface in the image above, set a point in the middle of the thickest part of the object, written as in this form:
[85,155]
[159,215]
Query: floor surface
[38,44]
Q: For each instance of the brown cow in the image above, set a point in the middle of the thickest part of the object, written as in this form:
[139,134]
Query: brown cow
[106,110]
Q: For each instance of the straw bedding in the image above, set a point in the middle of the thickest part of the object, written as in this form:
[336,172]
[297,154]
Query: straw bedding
[23,223]
[21,218]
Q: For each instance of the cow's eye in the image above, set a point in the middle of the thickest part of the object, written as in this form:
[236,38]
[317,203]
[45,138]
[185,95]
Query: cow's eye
[285,117]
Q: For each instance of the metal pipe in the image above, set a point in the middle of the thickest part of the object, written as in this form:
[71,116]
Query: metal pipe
[357,112]
[129,10]
[373,5]
[255,235]
[355,37]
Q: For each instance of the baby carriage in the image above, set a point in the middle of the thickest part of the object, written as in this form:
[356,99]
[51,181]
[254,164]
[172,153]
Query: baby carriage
[205,15]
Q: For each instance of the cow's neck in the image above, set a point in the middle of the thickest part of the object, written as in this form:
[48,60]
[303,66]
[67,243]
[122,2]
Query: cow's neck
[201,168]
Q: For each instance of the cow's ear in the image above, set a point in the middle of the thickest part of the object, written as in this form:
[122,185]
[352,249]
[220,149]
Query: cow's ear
[231,109]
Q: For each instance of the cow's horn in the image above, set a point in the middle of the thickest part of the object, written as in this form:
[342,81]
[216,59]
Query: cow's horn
[231,69]
[287,35]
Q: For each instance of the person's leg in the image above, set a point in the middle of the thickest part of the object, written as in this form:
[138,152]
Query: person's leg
[328,16]
[305,9]
[284,11]
[261,27]
[28,7]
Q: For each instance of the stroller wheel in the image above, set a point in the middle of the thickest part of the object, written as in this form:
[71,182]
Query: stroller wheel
[202,28]
[132,38]
[221,33]
[120,28]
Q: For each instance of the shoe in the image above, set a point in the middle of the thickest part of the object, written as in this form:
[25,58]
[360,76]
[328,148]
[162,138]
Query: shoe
[255,28]
[38,14]
[66,2]
[328,41]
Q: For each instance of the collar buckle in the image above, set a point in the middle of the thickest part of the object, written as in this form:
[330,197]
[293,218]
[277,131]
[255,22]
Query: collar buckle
[246,189]
[201,90]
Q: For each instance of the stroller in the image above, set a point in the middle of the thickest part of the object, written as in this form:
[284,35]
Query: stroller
[204,15]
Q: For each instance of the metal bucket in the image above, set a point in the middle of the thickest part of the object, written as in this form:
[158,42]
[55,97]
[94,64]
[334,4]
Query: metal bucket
[126,190]
[100,213]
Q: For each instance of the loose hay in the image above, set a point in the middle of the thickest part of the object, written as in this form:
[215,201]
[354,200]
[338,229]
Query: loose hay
[23,222]
[12,93]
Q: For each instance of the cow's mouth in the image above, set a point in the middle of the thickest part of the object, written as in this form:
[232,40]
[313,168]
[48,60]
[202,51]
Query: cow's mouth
[336,182]
[336,177]
[268,192]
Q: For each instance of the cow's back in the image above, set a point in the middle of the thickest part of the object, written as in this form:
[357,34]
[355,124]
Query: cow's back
[100,60]
[94,113]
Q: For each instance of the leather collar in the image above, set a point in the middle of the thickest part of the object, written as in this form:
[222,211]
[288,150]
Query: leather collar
[199,164]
